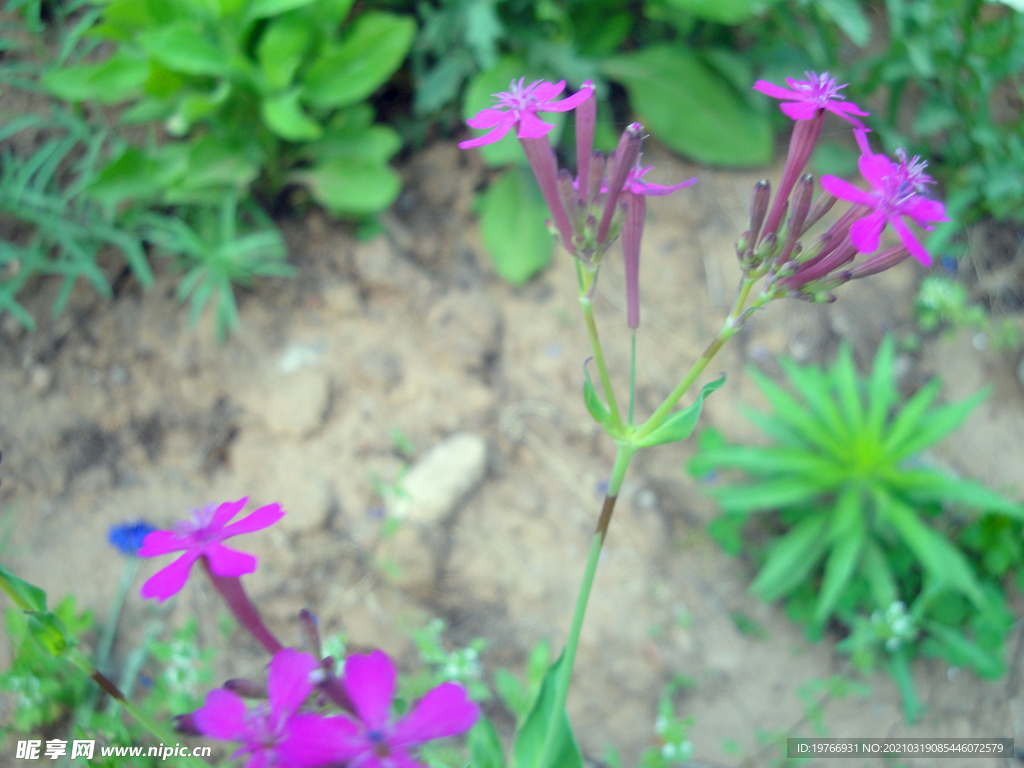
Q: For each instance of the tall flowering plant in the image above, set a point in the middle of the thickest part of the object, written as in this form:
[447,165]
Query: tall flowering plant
[605,200]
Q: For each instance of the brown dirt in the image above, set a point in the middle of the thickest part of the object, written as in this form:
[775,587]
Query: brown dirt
[118,410]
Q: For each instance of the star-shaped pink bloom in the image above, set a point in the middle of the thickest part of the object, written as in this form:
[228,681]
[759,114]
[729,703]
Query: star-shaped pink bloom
[377,742]
[895,192]
[810,95]
[201,535]
[265,730]
[520,105]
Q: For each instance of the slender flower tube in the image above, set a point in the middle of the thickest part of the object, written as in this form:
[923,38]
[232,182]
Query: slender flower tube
[542,161]
[626,156]
[586,119]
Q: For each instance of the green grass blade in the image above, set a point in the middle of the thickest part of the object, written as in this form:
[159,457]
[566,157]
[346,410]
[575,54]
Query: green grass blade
[939,423]
[910,416]
[792,558]
[882,394]
[846,381]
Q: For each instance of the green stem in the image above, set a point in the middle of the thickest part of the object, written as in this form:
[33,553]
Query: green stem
[622,459]
[602,368]
[632,374]
[729,328]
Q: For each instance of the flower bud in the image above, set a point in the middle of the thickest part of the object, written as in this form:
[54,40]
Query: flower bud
[597,169]
[310,628]
[821,206]
[758,210]
[801,205]
[247,689]
[626,155]
[880,262]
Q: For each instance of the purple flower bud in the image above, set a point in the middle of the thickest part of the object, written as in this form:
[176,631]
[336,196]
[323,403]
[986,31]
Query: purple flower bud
[542,161]
[758,210]
[822,205]
[801,143]
[880,262]
[586,118]
[596,175]
[310,628]
[626,155]
[247,689]
[801,205]
[632,232]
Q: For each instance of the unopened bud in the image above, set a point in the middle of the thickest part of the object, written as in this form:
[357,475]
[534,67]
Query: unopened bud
[186,724]
[887,259]
[742,243]
[310,628]
[822,205]
[758,209]
[597,169]
[626,155]
[568,196]
[766,248]
[802,194]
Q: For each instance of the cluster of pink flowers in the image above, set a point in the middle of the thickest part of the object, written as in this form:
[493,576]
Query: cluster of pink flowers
[608,197]
[289,726]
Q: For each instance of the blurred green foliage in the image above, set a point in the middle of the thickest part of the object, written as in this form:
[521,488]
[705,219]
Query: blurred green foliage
[906,557]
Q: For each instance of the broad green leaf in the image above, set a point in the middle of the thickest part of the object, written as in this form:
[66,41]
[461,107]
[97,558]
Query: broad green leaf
[485,745]
[924,485]
[261,9]
[940,558]
[480,95]
[27,596]
[511,692]
[376,143]
[790,411]
[847,534]
[351,186]
[512,216]
[283,115]
[680,424]
[844,376]
[214,167]
[875,569]
[530,739]
[281,48]
[118,78]
[597,409]
[881,390]
[849,17]
[132,176]
[721,11]
[938,423]
[792,558]
[369,55]
[769,495]
[763,461]
[50,632]
[691,108]
[909,418]
[184,46]
[193,106]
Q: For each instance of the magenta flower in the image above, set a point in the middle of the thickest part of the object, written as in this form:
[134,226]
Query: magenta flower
[377,742]
[810,95]
[895,192]
[635,183]
[521,105]
[265,730]
[201,536]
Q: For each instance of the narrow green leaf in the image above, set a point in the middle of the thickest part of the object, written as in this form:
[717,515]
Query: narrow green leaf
[925,485]
[792,558]
[261,9]
[690,107]
[910,415]
[762,461]
[283,115]
[847,534]
[721,12]
[844,376]
[369,55]
[940,558]
[118,78]
[28,597]
[530,739]
[769,495]
[882,393]
[512,225]
[680,424]
[961,651]
[485,745]
[184,46]
[813,385]
[792,413]
[939,423]
[597,408]
[899,669]
[351,186]
[849,17]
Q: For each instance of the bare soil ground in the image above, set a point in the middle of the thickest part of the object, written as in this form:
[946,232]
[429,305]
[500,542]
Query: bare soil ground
[117,411]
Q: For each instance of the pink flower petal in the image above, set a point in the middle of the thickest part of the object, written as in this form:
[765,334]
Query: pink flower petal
[169,581]
[659,190]
[370,682]
[923,211]
[444,711]
[226,511]
[545,92]
[288,682]
[532,127]
[799,110]
[570,103]
[864,232]
[912,243]
[314,740]
[495,134]
[775,91]
[844,190]
[225,561]
[264,517]
[487,118]
[222,716]
[162,543]
[875,169]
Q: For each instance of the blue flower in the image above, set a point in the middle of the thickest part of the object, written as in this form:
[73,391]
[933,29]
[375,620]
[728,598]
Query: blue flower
[128,537]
